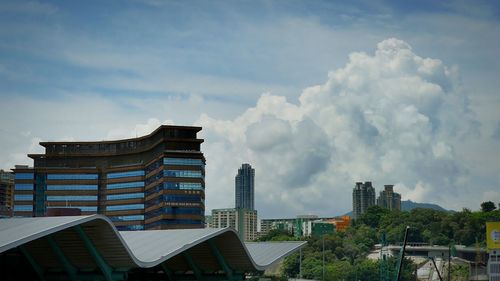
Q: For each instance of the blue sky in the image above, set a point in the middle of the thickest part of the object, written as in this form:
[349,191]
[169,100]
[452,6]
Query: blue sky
[97,70]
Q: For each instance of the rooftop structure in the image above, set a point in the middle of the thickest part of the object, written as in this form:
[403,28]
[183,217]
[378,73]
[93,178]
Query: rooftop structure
[150,182]
[91,248]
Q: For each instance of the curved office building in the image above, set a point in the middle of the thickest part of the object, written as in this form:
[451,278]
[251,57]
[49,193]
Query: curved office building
[150,182]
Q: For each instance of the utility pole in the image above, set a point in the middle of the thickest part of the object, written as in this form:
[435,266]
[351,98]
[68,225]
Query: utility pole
[300,263]
[449,262]
[402,254]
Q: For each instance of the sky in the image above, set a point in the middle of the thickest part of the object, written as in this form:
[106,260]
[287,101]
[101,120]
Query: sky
[315,95]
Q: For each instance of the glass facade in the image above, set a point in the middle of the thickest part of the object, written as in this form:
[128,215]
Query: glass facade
[24,176]
[23,197]
[72,198]
[23,186]
[183,161]
[128,218]
[118,175]
[125,207]
[130,227]
[125,185]
[72,187]
[72,176]
[82,208]
[125,196]
[183,174]
[23,208]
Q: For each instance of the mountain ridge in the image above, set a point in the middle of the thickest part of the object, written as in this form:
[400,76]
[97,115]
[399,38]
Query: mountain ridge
[408,205]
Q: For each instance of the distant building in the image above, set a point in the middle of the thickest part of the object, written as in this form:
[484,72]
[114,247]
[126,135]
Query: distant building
[320,228]
[389,199]
[302,226]
[6,193]
[363,196]
[155,181]
[241,220]
[244,188]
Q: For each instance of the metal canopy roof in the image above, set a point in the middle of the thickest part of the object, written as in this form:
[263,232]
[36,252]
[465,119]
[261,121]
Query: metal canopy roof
[47,241]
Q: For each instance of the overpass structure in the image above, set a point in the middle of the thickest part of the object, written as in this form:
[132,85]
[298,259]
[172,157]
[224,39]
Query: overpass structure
[90,248]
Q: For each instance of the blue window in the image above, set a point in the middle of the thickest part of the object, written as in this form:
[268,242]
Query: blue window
[183,185]
[182,198]
[23,208]
[124,196]
[125,174]
[23,186]
[130,227]
[72,187]
[128,218]
[125,185]
[183,161]
[183,211]
[72,176]
[72,198]
[125,207]
[183,174]
[82,208]
[23,197]
[24,176]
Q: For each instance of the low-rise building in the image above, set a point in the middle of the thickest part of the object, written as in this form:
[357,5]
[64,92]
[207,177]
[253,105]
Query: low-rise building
[242,220]
[302,226]
[6,193]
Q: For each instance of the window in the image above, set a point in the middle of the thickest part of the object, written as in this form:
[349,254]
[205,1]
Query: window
[82,208]
[72,187]
[183,161]
[23,186]
[182,198]
[125,185]
[130,227]
[24,176]
[72,176]
[125,207]
[183,174]
[128,218]
[124,196]
[72,198]
[23,197]
[23,208]
[183,185]
[117,175]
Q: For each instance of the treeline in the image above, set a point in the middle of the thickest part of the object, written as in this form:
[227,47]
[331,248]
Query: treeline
[431,226]
[345,253]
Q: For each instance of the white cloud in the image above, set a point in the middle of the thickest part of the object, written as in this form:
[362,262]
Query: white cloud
[392,118]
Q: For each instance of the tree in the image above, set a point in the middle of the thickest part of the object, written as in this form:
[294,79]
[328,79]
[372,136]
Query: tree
[488,206]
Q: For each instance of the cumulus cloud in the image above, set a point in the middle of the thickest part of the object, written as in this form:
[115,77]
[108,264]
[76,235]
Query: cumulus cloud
[390,117]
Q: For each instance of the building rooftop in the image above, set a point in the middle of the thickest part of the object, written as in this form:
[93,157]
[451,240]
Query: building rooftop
[209,249]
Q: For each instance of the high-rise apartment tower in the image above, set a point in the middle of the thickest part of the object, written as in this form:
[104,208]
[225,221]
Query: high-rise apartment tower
[151,182]
[244,188]
[389,199]
[363,196]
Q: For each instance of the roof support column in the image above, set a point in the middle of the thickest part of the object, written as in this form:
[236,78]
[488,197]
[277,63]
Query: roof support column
[168,272]
[68,267]
[221,260]
[99,260]
[37,268]
[196,270]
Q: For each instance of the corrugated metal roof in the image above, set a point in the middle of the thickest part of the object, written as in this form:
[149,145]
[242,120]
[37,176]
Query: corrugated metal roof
[140,248]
